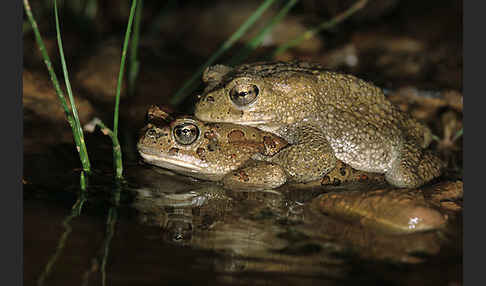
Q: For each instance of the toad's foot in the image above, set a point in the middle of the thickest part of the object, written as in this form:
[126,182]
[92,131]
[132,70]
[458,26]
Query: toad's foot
[414,167]
[255,175]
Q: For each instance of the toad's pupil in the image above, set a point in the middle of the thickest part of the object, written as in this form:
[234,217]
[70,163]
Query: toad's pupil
[244,95]
[186,132]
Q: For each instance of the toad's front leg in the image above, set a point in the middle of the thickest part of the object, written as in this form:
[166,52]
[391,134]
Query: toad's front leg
[311,158]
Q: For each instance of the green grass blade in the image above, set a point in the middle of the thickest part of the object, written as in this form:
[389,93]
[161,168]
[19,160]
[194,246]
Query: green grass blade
[257,40]
[47,61]
[117,154]
[122,67]
[189,86]
[323,26]
[80,145]
[134,65]
[78,131]
[83,182]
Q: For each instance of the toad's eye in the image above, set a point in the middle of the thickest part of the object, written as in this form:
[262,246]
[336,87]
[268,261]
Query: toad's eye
[186,133]
[242,95]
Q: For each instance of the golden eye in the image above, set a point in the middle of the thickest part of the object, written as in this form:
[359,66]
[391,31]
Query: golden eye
[242,95]
[186,133]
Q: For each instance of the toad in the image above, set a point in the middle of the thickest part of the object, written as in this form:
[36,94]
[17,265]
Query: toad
[230,153]
[325,117]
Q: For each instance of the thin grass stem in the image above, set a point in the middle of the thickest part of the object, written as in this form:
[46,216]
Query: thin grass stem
[323,26]
[77,135]
[189,85]
[122,67]
[134,65]
[78,132]
[117,154]
[258,39]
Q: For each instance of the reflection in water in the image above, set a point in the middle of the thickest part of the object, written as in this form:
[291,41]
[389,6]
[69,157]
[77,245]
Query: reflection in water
[179,227]
[186,230]
[275,231]
[253,231]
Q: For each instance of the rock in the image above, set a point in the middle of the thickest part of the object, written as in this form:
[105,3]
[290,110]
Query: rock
[394,210]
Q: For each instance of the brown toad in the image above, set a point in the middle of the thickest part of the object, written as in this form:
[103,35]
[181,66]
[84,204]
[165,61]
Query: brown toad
[325,116]
[224,152]
[210,151]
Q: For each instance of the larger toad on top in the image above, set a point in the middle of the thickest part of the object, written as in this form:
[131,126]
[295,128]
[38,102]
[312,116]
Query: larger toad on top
[313,109]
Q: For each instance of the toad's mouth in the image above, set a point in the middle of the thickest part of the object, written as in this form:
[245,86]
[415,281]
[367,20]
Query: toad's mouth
[182,163]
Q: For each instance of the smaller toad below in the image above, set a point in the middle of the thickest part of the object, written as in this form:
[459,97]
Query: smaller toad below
[230,153]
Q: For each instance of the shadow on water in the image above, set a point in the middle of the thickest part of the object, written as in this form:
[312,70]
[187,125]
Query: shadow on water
[175,230]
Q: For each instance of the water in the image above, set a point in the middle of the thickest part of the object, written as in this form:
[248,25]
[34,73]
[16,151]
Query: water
[172,230]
